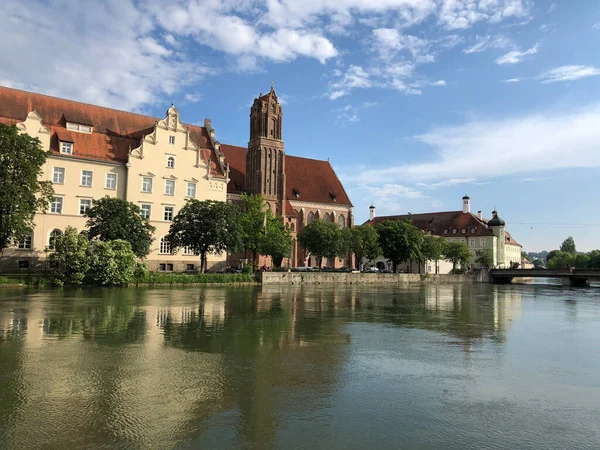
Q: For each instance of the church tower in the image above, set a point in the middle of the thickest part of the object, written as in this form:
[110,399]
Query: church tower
[265,160]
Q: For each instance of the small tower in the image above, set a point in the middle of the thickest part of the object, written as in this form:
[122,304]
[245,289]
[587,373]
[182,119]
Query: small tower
[371,212]
[466,204]
[265,160]
[498,227]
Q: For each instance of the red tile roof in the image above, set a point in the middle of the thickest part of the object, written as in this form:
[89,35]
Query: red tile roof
[437,222]
[314,179]
[509,240]
[289,209]
[114,131]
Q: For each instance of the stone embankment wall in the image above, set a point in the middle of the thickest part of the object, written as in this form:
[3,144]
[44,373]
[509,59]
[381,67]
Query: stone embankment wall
[363,278]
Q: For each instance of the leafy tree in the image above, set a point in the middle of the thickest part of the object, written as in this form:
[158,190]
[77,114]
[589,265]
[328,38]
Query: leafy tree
[276,241]
[22,194]
[70,260]
[400,241]
[594,259]
[457,253]
[112,263]
[524,255]
[538,263]
[252,224]
[111,219]
[581,261]
[432,249]
[364,243]
[321,239]
[551,254]
[206,227]
[140,272]
[558,259]
[485,257]
[568,245]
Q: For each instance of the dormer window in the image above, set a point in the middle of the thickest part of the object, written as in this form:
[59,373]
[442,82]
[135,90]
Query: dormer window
[79,127]
[333,197]
[296,193]
[66,148]
[454,231]
[463,231]
[446,231]
[473,229]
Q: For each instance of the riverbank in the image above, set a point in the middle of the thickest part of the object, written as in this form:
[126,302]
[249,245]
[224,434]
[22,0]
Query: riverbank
[267,278]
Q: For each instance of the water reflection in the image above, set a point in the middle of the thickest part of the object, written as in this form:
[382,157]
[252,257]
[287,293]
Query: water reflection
[210,367]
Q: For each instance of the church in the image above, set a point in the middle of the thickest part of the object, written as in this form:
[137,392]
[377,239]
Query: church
[158,163]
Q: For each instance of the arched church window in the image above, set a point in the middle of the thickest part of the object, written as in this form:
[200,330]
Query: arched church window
[326,218]
[341,221]
[311,217]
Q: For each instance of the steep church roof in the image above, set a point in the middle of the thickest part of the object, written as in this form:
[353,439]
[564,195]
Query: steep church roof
[307,180]
[114,131]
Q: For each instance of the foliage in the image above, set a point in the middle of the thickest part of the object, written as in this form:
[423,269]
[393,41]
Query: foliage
[70,260]
[182,278]
[400,241]
[206,227]
[364,243]
[432,249]
[111,219]
[594,259]
[252,223]
[112,263]
[538,263]
[485,257]
[568,246]
[140,272]
[457,253]
[276,240]
[22,193]
[322,239]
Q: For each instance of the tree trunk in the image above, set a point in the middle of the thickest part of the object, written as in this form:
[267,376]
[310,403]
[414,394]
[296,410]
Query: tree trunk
[320,262]
[453,267]
[203,262]
[395,266]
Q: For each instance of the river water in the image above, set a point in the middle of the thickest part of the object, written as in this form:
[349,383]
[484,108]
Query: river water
[356,367]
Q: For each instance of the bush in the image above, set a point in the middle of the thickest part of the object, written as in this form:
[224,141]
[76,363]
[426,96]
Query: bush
[112,263]
[70,261]
[182,278]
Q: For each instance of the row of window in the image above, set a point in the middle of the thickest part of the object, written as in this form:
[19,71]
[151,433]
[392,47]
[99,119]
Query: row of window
[471,241]
[66,148]
[56,207]
[165,248]
[327,218]
[147,184]
[462,231]
[87,178]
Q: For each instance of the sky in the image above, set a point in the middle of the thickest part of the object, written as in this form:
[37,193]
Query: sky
[414,102]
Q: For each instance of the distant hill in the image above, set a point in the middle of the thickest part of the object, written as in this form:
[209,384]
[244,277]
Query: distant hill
[538,255]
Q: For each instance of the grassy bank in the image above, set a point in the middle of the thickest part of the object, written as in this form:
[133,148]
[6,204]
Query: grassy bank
[151,279]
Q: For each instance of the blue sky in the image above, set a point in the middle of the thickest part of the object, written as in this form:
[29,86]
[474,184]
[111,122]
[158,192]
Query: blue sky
[415,102]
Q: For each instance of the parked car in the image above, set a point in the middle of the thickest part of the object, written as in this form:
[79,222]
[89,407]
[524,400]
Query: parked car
[386,271]
[371,270]
[344,269]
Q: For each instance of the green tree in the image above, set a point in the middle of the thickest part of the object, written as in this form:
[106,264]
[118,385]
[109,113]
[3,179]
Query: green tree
[558,259]
[568,245]
[432,249]
[252,224]
[111,219]
[485,257]
[276,241]
[206,227]
[22,194]
[70,260]
[112,263]
[524,255]
[538,263]
[581,261]
[321,239]
[400,241]
[594,259]
[364,243]
[457,253]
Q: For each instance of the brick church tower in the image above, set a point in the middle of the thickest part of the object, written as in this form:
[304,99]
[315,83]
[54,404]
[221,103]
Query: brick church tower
[265,160]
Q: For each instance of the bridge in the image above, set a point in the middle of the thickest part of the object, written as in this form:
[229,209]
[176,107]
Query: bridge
[569,276]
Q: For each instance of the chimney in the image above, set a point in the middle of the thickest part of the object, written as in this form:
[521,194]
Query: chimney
[466,204]
[371,212]
[480,215]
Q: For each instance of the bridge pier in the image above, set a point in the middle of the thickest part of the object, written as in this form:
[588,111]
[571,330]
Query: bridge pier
[579,282]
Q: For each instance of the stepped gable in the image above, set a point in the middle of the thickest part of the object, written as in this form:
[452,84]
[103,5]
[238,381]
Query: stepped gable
[313,180]
[437,222]
[114,131]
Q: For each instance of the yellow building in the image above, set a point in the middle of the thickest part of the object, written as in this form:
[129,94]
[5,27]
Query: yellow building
[155,163]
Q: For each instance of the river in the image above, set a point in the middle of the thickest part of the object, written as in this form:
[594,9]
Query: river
[321,367]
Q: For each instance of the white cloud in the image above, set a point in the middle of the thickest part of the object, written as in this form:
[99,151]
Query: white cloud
[596,26]
[496,148]
[450,182]
[569,73]
[456,15]
[512,80]
[390,41]
[192,97]
[388,196]
[483,43]
[552,8]
[516,56]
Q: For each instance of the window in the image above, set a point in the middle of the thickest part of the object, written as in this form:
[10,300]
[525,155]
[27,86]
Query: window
[463,231]
[52,238]
[190,267]
[23,264]
[454,230]
[169,187]
[446,231]
[165,246]
[57,205]
[482,242]
[86,178]
[311,217]
[146,184]
[162,267]
[172,140]
[169,267]
[189,251]
[146,210]
[168,214]
[66,148]
[79,127]
[191,190]
[341,221]
[84,205]
[472,242]
[326,218]
[58,175]
[25,243]
[171,162]
[473,229]
[296,193]
[111,181]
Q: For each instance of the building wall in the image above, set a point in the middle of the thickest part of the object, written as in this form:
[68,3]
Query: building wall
[149,160]
[512,255]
